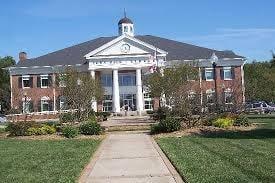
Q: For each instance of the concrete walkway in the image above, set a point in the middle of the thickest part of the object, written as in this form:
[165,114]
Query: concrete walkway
[129,157]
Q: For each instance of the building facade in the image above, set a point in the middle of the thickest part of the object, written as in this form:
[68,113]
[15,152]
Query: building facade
[120,62]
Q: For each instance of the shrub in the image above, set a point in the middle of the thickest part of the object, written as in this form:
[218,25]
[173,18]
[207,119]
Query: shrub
[90,128]
[20,128]
[103,115]
[241,120]
[223,122]
[69,131]
[67,117]
[150,112]
[161,113]
[43,130]
[48,129]
[166,126]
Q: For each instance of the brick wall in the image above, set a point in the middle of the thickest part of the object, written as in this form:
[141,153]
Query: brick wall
[34,93]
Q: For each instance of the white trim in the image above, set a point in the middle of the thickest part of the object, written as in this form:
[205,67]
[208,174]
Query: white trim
[209,69]
[112,42]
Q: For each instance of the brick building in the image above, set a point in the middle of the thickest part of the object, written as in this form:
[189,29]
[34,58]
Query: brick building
[119,62]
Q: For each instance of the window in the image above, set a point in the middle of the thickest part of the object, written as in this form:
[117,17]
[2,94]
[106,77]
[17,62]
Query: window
[131,29]
[148,102]
[44,79]
[45,104]
[26,106]
[26,81]
[62,78]
[148,105]
[227,73]
[210,96]
[62,103]
[191,95]
[106,80]
[125,29]
[209,74]
[228,96]
[107,103]
[127,80]
[147,95]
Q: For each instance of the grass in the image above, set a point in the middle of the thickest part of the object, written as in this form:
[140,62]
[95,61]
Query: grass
[225,157]
[44,160]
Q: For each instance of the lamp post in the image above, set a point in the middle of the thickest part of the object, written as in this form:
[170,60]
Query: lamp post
[214,59]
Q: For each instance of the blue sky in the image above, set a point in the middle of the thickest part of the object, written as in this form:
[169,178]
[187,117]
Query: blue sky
[41,26]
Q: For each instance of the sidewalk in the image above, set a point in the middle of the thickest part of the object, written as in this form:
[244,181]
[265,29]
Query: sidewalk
[129,157]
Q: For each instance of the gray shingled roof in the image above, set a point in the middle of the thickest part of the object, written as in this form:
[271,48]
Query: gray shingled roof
[75,54]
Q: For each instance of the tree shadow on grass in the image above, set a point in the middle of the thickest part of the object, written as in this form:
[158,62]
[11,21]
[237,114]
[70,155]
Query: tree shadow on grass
[260,133]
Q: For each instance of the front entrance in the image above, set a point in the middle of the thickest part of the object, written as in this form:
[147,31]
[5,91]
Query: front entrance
[128,102]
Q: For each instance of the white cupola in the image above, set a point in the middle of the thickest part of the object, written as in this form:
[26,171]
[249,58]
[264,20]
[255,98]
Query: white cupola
[125,26]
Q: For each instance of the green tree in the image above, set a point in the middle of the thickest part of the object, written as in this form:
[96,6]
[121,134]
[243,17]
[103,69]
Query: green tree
[273,59]
[260,81]
[81,89]
[174,84]
[5,82]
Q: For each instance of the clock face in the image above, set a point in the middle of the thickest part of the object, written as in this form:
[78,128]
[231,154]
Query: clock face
[125,48]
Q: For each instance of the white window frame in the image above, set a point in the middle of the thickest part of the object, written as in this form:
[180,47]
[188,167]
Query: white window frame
[109,100]
[45,100]
[191,95]
[25,77]
[62,103]
[147,98]
[44,76]
[226,69]
[61,80]
[208,70]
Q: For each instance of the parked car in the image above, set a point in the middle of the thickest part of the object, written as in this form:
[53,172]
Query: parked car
[3,118]
[258,108]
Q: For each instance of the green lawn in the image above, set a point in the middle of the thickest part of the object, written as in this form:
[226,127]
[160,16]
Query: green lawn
[44,160]
[228,157]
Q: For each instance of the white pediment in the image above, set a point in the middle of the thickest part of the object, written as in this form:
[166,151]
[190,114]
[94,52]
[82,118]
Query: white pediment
[124,46]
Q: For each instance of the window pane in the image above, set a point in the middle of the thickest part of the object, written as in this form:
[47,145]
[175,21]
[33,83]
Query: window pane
[209,74]
[44,82]
[227,74]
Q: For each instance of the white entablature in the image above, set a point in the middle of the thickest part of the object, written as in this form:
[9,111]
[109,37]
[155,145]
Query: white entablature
[125,52]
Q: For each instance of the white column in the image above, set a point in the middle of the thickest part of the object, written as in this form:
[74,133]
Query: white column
[94,102]
[116,98]
[139,91]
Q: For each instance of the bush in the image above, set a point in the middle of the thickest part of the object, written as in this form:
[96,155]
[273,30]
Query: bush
[103,115]
[67,117]
[166,126]
[69,131]
[48,129]
[90,128]
[150,112]
[241,120]
[161,113]
[43,130]
[223,122]
[20,128]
